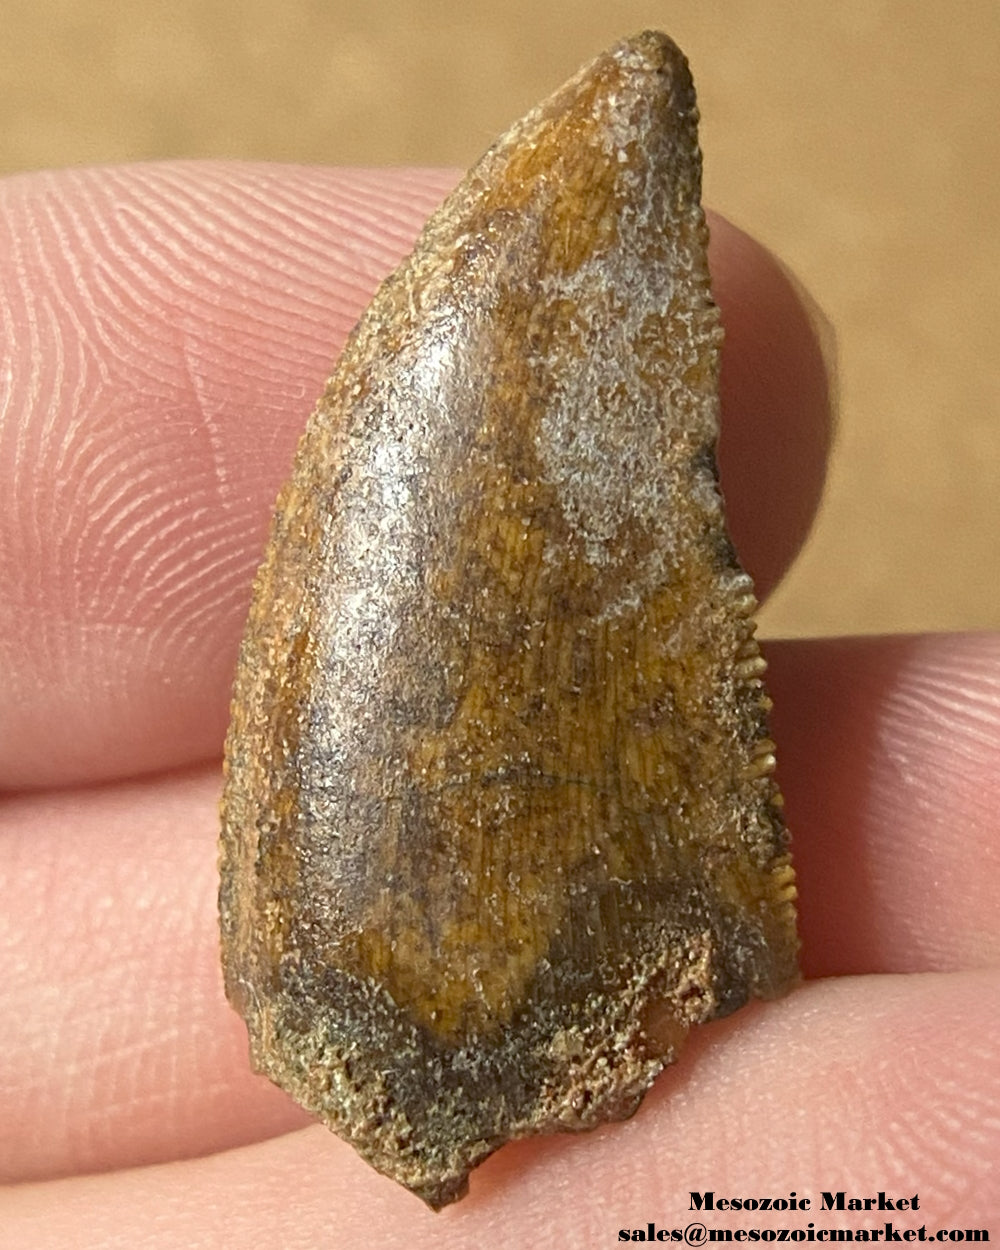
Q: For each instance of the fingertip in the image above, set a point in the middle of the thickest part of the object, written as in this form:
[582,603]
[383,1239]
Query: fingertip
[171,328]
[776,391]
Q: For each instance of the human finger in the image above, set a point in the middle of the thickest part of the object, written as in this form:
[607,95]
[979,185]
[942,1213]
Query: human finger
[854,1085]
[117,1046]
[888,759]
[166,329]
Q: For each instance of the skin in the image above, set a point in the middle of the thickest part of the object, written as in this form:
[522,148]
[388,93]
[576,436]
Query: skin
[165,331]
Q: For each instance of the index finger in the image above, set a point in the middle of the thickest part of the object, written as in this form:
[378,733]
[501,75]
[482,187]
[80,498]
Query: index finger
[166,329]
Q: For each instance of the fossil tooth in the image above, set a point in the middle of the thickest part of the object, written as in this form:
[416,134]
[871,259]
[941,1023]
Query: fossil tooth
[499,822]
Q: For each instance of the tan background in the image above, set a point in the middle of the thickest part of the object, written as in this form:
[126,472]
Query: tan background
[859,140]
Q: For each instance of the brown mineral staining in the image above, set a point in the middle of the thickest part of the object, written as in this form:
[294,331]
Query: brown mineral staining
[499,822]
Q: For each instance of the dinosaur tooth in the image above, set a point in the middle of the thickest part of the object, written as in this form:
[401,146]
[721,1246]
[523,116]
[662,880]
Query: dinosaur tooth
[499,820]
